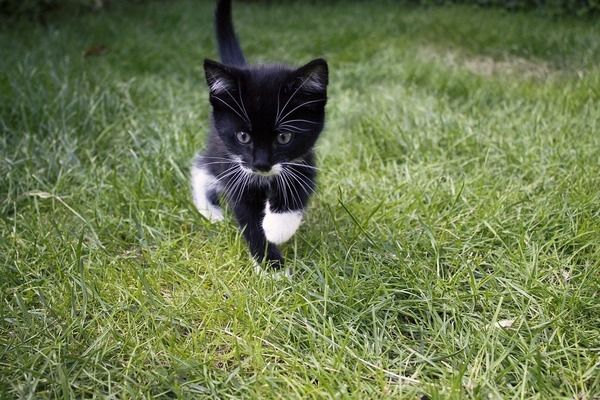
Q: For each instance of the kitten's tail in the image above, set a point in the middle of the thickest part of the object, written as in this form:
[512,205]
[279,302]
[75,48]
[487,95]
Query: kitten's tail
[229,47]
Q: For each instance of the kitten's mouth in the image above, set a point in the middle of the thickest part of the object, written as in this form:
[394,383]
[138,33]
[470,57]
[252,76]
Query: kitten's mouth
[275,170]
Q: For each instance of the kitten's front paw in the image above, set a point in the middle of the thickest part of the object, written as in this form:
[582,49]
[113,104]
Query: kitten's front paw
[273,269]
[213,214]
[280,227]
[205,195]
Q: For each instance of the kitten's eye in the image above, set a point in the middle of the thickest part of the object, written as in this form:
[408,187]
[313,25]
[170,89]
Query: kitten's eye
[242,137]
[284,138]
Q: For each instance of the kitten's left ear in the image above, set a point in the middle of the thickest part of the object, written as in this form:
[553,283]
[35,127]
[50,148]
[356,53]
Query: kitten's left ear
[313,77]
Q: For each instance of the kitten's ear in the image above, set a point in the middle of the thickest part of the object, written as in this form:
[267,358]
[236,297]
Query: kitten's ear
[220,78]
[313,77]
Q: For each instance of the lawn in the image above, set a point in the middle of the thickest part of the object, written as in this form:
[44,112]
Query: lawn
[452,249]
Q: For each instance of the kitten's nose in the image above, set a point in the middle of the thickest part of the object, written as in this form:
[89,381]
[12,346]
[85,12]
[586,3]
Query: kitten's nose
[262,166]
[260,161]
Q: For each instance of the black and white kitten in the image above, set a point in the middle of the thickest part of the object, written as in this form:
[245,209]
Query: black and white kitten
[265,122]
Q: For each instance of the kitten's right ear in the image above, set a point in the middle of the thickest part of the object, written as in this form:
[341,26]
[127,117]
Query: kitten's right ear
[313,77]
[220,78]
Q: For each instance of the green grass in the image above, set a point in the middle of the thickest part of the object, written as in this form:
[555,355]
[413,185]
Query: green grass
[459,191]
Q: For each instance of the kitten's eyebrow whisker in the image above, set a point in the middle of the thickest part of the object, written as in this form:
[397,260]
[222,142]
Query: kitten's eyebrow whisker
[278,95]
[241,107]
[301,120]
[291,97]
[291,128]
[232,109]
[290,125]
[242,102]
[301,105]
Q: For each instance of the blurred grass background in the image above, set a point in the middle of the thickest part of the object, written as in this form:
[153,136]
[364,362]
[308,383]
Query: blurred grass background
[452,249]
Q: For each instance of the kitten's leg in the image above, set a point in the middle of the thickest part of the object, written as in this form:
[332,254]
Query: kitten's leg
[280,223]
[286,204]
[204,192]
[249,216]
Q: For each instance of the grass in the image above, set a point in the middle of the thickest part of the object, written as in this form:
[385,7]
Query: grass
[452,250]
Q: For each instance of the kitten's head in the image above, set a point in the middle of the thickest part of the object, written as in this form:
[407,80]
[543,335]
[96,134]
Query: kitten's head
[268,115]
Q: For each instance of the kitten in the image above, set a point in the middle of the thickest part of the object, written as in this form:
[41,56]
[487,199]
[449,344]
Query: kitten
[259,157]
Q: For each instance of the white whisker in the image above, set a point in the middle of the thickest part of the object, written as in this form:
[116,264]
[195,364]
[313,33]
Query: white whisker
[242,102]
[301,105]
[299,165]
[231,108]
[303,180]
[233,185]
[227,173]
[277,118]
[301,120]
[282,188]
[290,128]
[217,162]
[278,95]
[299,200]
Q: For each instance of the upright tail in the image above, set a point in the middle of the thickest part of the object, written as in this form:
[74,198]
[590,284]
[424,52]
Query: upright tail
[229,47]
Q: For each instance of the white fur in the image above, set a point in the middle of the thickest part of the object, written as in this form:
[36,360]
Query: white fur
[202,182]
[219,85]
[275,170]
[280,227]
[313,83]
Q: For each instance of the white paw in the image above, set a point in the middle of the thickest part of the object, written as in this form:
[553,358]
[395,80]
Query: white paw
[202,183]
[280,227]
[274,274]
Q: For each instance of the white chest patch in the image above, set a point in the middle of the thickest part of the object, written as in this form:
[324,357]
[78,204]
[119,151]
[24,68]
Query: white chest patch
[280,227]
[202,182]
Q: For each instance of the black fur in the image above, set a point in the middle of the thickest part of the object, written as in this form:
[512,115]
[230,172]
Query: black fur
[229,48]
[267,102]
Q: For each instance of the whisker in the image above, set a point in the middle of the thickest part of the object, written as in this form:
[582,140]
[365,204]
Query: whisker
[303,180]
[300,165]
[301,105]
[217,162]
[243,107]
[285,189]
[301,120]
[282,188]
[292,128]
[233,184]
[232,109]
[291,97]
[297,201]
[278,95]
[227,173]
[242,185]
